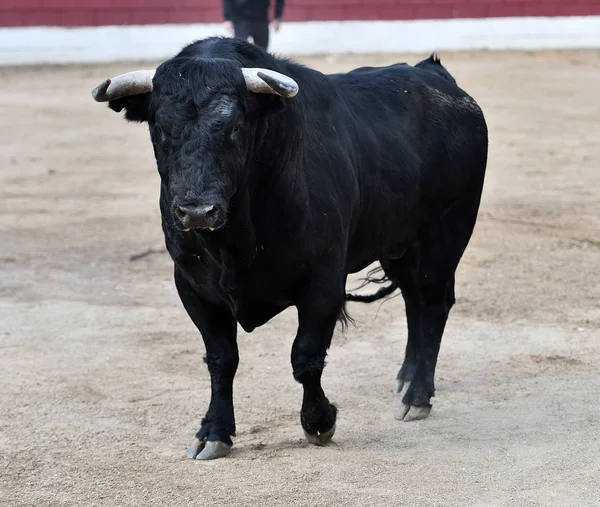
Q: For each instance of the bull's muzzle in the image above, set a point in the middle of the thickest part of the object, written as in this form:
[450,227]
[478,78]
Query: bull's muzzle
[207,216]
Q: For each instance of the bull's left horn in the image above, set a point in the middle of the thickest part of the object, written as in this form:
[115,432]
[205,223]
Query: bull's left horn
[132,83]
[268,81]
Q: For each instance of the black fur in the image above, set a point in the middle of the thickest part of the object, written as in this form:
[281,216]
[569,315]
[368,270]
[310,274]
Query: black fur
[377,164]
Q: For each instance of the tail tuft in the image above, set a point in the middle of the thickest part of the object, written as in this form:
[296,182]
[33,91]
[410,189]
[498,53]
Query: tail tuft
[370,298]
[380,294]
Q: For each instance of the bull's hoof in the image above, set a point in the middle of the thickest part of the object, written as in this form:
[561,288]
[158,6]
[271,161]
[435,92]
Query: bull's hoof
[320,438]
[201,449]
[408,413]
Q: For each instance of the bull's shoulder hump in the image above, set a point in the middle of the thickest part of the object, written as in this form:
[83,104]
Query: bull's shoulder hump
[368,73]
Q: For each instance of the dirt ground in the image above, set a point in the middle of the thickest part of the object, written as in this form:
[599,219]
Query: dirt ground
[102,384]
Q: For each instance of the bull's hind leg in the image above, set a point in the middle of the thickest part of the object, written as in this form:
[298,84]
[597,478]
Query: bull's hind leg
[425,275]
[405,273]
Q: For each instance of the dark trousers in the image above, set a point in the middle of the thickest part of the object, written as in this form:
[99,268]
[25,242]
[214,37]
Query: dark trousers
[258,30]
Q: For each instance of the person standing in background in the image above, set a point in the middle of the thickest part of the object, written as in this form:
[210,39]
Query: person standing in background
[251,18]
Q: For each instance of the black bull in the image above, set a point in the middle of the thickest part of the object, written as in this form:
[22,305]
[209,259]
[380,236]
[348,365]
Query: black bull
[270,199]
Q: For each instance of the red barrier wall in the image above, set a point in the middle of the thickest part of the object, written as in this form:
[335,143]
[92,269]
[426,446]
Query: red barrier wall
[134,12]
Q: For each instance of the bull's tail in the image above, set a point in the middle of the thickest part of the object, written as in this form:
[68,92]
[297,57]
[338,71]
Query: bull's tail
[380,294]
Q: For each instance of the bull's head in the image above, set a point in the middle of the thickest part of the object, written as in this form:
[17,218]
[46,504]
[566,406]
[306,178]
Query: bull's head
[204,117]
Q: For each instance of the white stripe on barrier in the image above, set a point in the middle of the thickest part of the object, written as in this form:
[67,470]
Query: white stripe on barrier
[34,45]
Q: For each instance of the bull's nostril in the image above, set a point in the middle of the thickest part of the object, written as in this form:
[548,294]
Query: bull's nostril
[179,212]
[211,212]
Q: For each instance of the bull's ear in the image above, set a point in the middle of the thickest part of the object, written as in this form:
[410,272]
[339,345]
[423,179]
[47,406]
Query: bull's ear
[136,107]
[130,91]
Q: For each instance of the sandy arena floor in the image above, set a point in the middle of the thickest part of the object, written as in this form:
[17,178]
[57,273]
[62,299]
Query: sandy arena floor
[102,384]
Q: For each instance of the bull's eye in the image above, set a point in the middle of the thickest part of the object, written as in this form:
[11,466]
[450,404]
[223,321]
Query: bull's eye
[236,129]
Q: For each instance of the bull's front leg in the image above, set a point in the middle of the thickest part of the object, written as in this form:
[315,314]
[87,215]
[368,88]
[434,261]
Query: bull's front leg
[218,328]
[318,313]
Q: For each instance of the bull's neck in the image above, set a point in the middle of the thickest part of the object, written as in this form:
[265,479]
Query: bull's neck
[277,159]
[267,200]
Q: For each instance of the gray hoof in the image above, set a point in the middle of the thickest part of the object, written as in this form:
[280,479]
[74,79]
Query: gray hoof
[408,413]
[320,438]
[214,450]
[208,450]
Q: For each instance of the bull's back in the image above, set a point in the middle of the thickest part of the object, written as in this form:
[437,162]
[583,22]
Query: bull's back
[420,142]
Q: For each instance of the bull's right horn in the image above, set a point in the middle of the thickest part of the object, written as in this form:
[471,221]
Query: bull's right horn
[132,83]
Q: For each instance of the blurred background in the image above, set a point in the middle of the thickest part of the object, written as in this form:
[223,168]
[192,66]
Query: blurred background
[104,30]
[102,384]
